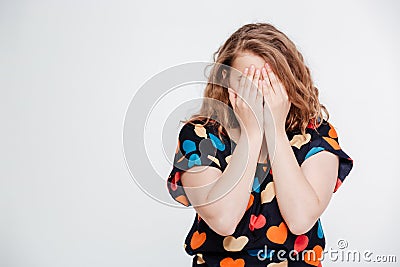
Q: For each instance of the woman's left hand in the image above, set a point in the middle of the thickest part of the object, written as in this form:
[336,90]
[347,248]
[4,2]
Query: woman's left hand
[276,101]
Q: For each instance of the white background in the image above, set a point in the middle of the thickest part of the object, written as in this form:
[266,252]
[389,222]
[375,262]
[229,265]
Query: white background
[68,70]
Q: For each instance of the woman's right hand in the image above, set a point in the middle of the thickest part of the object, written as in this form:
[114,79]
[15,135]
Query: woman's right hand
[247,102]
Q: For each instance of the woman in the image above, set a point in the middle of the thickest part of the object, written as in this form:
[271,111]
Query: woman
[273,162]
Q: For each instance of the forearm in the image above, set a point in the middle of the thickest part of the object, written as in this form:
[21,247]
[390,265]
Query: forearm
[297,200]
[238,176]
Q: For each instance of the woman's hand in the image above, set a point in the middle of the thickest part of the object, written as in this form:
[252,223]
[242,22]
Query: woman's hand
[277,104]
[247,102]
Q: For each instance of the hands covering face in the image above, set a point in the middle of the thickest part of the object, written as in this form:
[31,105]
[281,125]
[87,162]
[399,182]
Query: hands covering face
[263,101]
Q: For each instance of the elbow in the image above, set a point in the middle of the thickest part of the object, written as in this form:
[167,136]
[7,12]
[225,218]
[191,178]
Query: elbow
[299,227]
[223,227]
[225,231]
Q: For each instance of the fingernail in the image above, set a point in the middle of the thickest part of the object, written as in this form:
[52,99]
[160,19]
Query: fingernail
[264,72]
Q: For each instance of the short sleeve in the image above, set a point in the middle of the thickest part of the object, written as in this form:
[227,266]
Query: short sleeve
[326,138]
[197,145]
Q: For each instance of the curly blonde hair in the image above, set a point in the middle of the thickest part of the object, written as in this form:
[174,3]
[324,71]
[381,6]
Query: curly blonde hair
[266,41]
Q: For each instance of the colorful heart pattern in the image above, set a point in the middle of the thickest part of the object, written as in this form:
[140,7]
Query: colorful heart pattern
[314,256]
[313,151]
[229,262]
[189,146]
[217,143]
[299,140]
[214,159]
[200,130]
[278,234]
[257,222]
[256,185]
[320,233]
[268,194]
[200,259]
[231,243]
[250,203]
[300,243]
[264,223]
[198,240]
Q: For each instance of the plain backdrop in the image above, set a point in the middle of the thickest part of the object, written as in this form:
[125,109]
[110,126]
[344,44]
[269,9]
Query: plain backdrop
[69,69]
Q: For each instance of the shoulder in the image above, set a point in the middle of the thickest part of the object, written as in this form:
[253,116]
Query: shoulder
[324,133]
[317,138]
[325,128]
[326,138]
[199,129]
[198,138]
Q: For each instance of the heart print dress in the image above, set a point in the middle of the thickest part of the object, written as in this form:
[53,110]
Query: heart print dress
[262,237]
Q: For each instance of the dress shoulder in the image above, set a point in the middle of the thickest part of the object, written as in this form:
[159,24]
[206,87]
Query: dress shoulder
[325,137]
[198,144]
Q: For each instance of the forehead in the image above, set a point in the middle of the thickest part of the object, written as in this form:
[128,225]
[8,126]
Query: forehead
[246,59]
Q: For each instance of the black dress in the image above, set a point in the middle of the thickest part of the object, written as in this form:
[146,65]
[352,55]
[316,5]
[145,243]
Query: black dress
[262,237]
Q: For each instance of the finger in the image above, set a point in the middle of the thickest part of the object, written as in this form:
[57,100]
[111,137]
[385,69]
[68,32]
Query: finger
[267,83]
[249,82]
[242,83]
[279,87]
[259,96]
[273,79]
[254,85]
[266,90]
[283,89]
[259,90]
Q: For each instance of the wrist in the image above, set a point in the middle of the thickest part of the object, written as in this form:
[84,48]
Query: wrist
[272,134]
[274,129]
[254,138]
